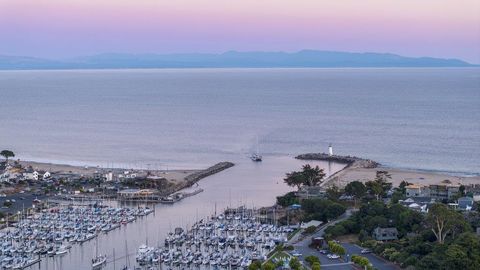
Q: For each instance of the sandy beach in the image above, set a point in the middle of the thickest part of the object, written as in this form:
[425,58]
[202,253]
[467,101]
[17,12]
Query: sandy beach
[398,175]
[175,176]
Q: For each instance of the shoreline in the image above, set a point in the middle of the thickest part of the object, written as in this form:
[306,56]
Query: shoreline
[365,169]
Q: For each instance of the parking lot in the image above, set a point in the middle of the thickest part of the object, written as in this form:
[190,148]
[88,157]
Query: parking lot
[343,263]
[19,201]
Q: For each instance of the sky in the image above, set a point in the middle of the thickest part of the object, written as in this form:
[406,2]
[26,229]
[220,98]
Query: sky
[61,29]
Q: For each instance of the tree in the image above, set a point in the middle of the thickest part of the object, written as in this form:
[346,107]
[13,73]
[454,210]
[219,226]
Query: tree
[336,248]
[255,265]
[312,259]
[356,189]
[316,266]
[309,176]
[295,264]
[295,179]
[442,221]
[374,188]
[380,185]
[313,175]
[334,193]
[268,266]
[7,154]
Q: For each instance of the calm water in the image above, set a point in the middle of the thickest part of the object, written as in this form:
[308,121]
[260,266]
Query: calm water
[414,118]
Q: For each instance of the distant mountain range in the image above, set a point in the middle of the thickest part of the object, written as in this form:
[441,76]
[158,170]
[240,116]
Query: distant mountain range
[231,59]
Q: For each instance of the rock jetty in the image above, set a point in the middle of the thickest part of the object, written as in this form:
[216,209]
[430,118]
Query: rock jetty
[351,161]
[193,178]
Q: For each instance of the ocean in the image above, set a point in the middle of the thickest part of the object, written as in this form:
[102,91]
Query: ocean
[417,118]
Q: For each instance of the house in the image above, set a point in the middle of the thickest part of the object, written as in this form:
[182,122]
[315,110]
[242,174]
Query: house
[314,223]
[465,203]
[420,204]
[31,175]
[417,190]
[108,176]
[385,234]
[311,192]
[444,191]
[46,175]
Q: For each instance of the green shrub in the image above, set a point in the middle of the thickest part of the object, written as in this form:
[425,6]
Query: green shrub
[312,260]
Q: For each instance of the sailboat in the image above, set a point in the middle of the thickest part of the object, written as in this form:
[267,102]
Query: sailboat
[100,260]
[256,157]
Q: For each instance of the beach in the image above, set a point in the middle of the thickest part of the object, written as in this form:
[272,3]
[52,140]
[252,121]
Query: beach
[398,175]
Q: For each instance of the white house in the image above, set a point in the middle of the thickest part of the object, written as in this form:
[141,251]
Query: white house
[31,175]
[109,176]
[46,175]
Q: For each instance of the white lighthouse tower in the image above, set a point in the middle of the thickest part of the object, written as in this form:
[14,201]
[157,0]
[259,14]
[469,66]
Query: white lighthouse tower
[330,150]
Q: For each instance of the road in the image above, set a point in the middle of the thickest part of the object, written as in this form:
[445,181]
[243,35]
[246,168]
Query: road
[302,247]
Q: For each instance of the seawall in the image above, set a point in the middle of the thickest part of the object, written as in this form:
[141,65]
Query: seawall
[193,178]
[350,161]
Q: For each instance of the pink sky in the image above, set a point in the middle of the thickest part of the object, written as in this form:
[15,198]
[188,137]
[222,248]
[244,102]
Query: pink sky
[66,28]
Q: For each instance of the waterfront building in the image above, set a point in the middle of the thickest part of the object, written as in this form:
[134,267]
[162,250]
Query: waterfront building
[443,191]
[135,194]
[417,190]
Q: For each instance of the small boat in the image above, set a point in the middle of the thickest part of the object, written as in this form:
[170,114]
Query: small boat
[256,157]
[99,261]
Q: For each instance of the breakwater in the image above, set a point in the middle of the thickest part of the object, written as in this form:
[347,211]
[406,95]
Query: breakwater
[351,161]
[193,178]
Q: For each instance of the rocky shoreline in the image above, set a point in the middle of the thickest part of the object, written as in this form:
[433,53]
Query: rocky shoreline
[351,161]
[193,178]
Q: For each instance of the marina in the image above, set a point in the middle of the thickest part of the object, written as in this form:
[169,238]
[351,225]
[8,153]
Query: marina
[255,185]
[52,232]
[230,240]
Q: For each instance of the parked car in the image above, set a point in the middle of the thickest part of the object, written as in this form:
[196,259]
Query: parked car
[333,256]
[365,251]
[296,254]
[323,251]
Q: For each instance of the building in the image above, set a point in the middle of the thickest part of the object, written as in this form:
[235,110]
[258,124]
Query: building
[135,194]
[417,190]
[444,191]
[314,223]
[108,176]
[420,204]
[465,203]
[315,192]
[385,234]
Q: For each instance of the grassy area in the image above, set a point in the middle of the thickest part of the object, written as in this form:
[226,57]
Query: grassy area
[292,234]
[277,256]
[348,238]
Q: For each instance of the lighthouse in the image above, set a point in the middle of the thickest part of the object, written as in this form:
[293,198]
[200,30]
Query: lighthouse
[330,150]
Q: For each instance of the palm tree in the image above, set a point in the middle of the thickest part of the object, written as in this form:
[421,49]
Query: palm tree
[7,154]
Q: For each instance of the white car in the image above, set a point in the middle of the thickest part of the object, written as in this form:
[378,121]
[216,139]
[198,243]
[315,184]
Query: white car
[296,254]
[333,256]
[365,251]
